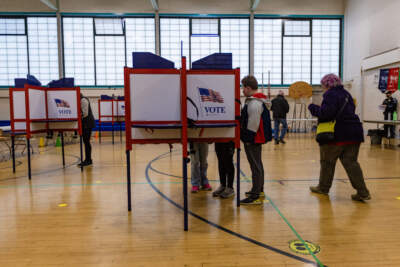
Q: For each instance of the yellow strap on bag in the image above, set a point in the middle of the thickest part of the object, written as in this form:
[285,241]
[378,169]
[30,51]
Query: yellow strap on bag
[326,127]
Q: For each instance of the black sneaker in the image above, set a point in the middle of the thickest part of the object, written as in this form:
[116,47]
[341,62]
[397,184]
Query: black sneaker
[276,142]
[282,141]
[249,193]
[357,197]
[251,201]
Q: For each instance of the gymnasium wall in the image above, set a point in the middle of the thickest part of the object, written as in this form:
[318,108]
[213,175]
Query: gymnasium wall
[371,28]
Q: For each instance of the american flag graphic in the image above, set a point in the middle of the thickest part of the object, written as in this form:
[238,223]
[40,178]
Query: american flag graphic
[61,103]
[210,96]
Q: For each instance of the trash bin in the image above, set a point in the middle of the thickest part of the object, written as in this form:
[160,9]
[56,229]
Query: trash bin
[376,136]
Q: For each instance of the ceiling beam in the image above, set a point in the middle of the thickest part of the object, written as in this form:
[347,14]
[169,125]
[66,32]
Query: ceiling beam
[254,4]
[49,4]
[154,3]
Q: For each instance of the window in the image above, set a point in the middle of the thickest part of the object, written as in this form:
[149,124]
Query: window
[297,27]
[326,48]
[296,59]
[203,37]
[174,32]
[235,40]
[79,50]
[140,36]
[268,50]
[43,48]
[110,51]
[36,35]
[13,50]
[296,50]
[97,49]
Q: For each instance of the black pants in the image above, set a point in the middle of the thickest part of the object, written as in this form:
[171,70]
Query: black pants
[348,155]
[86,134]
[226,169]
[253,153]
[389,129]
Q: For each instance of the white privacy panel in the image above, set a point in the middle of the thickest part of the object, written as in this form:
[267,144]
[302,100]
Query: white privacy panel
[155,97]
[37,104]
[141,133]
[19,105]
[62,104]
[18,126]
[106,108]
[119,108]
[213,95]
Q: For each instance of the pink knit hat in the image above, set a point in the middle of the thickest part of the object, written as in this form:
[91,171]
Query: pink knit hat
[331,80]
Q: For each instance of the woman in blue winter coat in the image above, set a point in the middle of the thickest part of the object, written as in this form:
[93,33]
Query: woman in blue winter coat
[348,138]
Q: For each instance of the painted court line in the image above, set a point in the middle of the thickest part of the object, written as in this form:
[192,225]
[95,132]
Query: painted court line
[148,168]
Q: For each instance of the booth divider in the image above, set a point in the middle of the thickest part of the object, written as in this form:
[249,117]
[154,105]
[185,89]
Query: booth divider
[36,109]
[113,111]
[172,124]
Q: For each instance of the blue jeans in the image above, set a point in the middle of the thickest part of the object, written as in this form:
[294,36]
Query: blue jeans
[198,160]
[276,128]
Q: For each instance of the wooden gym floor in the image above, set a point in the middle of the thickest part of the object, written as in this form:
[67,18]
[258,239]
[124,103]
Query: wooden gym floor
[67,218]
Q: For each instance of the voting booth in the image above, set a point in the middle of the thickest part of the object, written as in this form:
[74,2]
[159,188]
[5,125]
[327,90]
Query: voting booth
[111,111]
[167,105]
[36,109]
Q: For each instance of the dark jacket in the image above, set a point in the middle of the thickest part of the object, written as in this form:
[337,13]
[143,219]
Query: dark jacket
[280,107]
[348,127]
[391,105]
[88,122]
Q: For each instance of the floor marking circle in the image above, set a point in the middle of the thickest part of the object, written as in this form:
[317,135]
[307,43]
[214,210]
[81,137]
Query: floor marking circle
[398,198]
[299,247]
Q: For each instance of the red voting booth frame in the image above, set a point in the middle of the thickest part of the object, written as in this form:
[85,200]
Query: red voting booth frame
[115,118]
[28,132]
[182,124]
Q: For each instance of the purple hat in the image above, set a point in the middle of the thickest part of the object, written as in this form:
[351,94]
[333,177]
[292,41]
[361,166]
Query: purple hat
[331,80]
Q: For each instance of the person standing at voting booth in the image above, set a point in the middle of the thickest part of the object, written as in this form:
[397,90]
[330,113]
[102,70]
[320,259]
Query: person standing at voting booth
[390,104]
[88,123]
[255,130]
[280,108]
[199,165]
[345,140]
[226,170]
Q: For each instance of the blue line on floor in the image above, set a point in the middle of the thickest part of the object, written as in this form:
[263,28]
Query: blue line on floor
[148,167]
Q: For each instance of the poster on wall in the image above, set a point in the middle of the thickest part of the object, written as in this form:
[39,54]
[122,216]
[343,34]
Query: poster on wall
[393,80]
[62,105]
[212,97]
[383,79]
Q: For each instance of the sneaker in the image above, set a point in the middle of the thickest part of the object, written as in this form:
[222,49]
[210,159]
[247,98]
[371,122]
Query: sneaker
[262,194]
[251,201]
[195,189]
[357,197]
[316,189]
[206,187]
[282,141]
[219,191]
[228,192]
[276,142]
